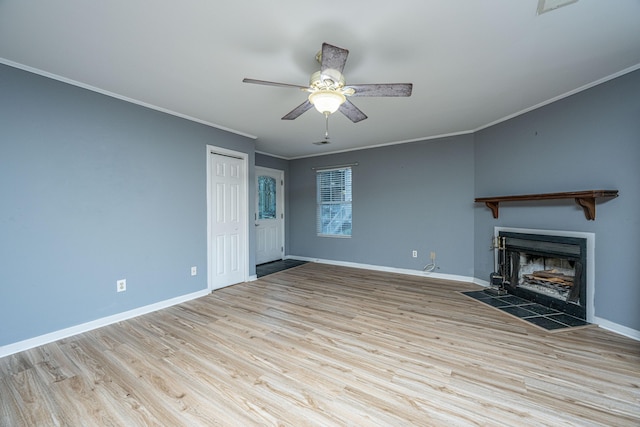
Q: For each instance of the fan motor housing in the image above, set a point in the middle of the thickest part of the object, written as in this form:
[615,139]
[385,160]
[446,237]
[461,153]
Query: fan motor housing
[327,79]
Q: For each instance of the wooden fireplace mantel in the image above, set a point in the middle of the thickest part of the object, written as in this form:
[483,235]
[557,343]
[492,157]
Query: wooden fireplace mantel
[586,200]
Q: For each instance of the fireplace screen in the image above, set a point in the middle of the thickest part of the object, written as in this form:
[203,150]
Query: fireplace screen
[549,270]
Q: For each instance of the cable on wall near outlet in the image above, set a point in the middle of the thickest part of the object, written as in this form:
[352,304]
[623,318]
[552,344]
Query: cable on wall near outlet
[432,265]
[429,267]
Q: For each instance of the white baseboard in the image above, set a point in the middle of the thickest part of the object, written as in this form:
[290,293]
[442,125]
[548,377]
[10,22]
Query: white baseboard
[452,277]
[618,329]
[603,323]
[481,282]
[27,344]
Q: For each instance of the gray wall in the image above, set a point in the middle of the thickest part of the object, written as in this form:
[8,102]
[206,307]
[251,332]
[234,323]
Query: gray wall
[588,141]
[94,189]
[420,195]
[405,197]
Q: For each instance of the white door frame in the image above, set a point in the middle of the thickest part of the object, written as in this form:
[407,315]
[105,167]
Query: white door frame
[212,149]
[280,203]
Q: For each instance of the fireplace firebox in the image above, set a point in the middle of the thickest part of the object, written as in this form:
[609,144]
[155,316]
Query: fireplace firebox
[545,269]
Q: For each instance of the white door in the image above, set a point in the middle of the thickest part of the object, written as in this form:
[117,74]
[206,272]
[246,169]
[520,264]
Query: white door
[269,215]
[227,218]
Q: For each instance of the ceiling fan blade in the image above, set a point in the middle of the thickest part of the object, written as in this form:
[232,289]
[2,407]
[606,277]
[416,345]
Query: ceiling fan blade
[383,89]
[333,57]
[264,82]
[297,112]
[352,112]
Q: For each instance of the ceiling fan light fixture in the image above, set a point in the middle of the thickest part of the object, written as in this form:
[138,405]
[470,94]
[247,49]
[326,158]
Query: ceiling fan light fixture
[327,90]
[327,101]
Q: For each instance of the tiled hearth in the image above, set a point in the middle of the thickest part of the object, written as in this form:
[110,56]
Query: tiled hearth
[536,314]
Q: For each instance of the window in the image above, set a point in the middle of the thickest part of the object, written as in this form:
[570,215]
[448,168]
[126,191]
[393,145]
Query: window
[334,202]
[266,197]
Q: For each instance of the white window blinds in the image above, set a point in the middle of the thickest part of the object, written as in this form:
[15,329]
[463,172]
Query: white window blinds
[334,202]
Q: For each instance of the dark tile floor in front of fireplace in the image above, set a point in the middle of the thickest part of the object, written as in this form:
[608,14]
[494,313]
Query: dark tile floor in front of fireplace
[532,312]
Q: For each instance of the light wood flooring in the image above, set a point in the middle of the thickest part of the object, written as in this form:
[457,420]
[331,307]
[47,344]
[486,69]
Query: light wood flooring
[321,345]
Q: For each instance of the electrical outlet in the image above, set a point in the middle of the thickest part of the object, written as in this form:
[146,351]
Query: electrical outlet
[414,254]
[194,270]
[432,255]
[121,285]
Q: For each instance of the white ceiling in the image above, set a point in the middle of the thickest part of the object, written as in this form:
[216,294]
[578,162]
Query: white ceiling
[472,62]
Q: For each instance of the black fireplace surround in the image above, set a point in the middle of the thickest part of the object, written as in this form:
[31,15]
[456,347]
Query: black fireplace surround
[548,270]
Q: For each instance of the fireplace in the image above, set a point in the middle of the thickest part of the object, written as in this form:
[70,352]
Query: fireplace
[550,270]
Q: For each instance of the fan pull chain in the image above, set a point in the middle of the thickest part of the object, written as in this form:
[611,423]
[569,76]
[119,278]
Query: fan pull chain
[326,132]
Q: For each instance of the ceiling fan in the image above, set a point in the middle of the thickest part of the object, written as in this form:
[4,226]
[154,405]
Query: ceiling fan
[328,91]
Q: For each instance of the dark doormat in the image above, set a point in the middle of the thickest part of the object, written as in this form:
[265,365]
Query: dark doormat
[536,314]
[275,266]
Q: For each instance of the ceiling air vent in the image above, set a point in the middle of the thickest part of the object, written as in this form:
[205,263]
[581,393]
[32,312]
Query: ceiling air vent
[548,5]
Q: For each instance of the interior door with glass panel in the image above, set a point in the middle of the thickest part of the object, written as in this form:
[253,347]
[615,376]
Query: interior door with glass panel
[269,215]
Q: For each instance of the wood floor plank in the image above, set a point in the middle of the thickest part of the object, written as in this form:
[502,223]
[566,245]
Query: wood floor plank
[322,345]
